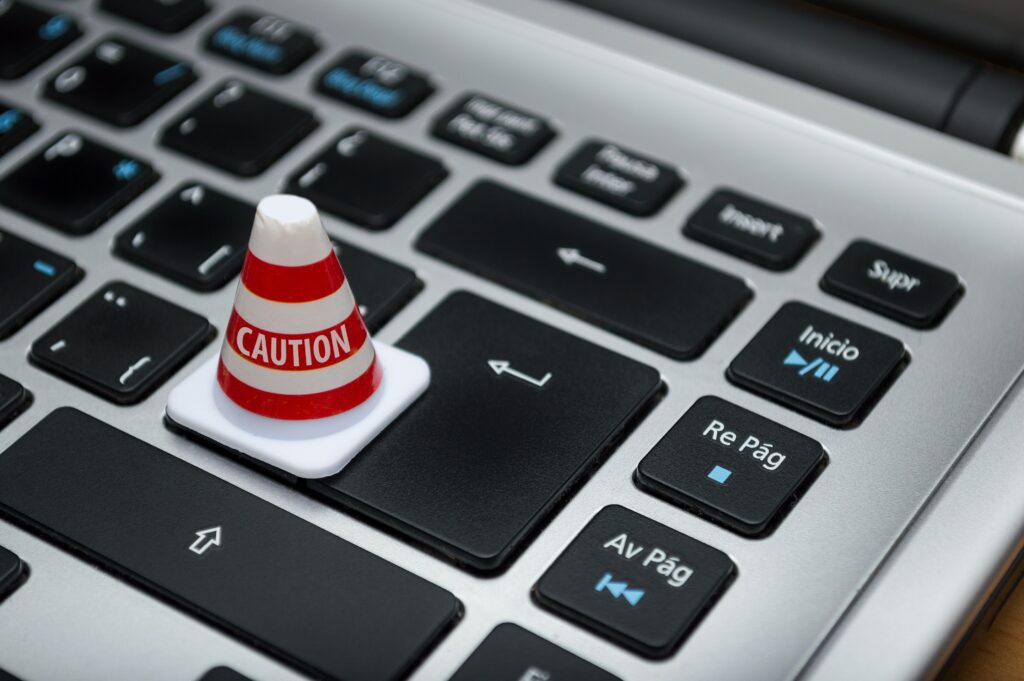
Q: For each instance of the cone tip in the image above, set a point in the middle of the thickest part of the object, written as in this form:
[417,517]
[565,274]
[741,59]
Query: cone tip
[288,231]
[287,209]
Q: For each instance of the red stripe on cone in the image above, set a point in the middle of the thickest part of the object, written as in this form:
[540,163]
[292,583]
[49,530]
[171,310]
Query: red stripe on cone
[292,346]
[296,407]
[299,284]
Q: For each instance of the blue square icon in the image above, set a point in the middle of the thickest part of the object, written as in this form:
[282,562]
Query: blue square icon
[720,474]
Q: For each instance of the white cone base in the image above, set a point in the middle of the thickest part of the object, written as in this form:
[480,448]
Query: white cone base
[313,448]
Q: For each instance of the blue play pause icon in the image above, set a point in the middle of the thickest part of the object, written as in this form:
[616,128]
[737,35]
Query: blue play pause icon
[619,589]
[822,369]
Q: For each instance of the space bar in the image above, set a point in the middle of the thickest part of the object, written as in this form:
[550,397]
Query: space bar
[317,602]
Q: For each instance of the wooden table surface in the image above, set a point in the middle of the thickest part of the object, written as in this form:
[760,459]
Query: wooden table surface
[996,654]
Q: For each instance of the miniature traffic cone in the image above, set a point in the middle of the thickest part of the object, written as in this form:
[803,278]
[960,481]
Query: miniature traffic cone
[296,346]
[298,383]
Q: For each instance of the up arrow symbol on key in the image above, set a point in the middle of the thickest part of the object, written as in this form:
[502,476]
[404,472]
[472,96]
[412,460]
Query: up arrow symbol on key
[205,539]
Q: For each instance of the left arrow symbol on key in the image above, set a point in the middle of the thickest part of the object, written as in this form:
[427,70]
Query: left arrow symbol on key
[205,539]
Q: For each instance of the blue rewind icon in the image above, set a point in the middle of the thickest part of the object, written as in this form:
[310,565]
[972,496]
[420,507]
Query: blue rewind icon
[822,369]
[619,589]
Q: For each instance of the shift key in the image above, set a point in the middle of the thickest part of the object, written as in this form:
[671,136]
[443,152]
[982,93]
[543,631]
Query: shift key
[328,608]
[647,294]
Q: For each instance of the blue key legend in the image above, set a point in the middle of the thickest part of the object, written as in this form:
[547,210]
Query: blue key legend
[170,74]
[720,474]
[822,370]
[652,582]
[619,589]
[126,169]
[233,40]
[44,267]
[57,26]
[366,89]
[8,119]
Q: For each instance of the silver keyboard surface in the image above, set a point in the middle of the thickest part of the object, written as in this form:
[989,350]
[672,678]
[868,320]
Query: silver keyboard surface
[722,125]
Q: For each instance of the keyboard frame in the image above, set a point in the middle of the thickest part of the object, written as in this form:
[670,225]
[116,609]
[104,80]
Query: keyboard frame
[735,126]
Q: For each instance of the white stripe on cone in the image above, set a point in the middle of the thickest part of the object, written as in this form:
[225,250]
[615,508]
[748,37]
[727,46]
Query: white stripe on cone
[305,382]
[293,318]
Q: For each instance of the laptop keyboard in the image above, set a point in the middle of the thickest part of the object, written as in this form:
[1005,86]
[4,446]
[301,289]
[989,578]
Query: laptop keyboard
[533,388]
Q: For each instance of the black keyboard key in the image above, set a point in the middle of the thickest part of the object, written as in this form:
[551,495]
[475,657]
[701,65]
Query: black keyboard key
[166,16]
[121,343]
[223,674]
[815,362]
[647,294]
[315,601]
[494,129]
[11,572]
[263,41]
[13,398]
[515,412]
[74,184]
[29,36]
[751,229]
[196,236]
[119,82]
[893,284]
[382,287]
[375,83]
[7,676]
[16,125]
[366,179]
[513,653]
[31,277]
[239,129]
[619,177]
[731,464]
[637,582]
